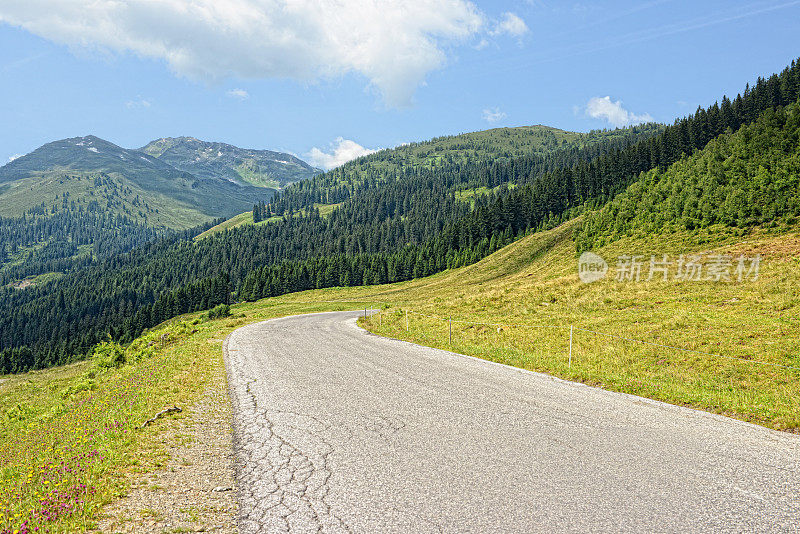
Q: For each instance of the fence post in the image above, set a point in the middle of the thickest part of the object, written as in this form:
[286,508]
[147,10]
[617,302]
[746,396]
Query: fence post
[365,313]
[570,347]
[406,320]
[380,317]
[450,321]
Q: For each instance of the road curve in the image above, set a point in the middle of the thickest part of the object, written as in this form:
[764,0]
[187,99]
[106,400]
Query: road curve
[339,430]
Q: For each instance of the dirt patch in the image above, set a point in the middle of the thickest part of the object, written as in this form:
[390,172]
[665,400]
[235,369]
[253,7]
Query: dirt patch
[22,284]
[194,490]
[784,247]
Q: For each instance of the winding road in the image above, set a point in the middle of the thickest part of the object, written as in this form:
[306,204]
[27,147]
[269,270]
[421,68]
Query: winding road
[339,430]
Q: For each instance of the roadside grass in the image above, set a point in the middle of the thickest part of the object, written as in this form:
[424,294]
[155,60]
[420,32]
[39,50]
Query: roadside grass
[535,282]
[70,439]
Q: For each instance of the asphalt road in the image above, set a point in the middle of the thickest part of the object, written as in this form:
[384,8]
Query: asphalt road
[338,430]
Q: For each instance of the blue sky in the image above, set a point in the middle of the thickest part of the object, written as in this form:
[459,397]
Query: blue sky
[317,78]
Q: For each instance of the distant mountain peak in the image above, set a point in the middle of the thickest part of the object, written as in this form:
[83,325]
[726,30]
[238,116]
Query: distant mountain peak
[89,140]
[264,168]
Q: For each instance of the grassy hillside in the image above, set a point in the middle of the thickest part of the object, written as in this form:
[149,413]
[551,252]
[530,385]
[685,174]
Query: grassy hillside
[234,222]
[535,282]
[55,191]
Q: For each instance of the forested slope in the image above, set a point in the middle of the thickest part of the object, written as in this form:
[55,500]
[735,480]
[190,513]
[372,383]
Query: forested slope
[742,179]
[479,159]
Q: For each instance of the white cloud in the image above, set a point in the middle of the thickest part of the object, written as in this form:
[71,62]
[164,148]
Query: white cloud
[393,44]
[138,103]
[493,115]
[613,112]
[15,156]
[341,151]
[241,94]
[511,25]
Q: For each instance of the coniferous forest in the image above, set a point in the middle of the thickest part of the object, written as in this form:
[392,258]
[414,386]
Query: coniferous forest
[731,163]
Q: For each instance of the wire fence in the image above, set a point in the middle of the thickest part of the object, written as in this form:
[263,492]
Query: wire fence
[753,389]
[570,327]
[573,328]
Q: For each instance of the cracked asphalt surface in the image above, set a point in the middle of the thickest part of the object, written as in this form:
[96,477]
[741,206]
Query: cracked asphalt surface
[338,430]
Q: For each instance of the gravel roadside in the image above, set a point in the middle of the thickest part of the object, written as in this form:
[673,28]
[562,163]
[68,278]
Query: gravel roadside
[194,489]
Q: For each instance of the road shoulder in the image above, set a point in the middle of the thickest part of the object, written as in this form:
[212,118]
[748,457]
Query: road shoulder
[192,488]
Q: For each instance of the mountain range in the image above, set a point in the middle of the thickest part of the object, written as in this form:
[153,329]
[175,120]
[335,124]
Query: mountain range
[171,182]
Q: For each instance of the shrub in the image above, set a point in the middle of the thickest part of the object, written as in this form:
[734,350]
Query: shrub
[220,311]
[109,354]
[20,412]
[83,385]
